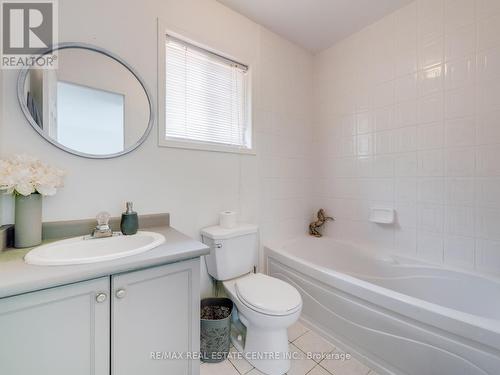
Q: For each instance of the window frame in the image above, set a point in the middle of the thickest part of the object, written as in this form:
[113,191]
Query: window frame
[193,144]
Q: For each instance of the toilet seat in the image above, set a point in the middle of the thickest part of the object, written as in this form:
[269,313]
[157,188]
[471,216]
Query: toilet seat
[268,295]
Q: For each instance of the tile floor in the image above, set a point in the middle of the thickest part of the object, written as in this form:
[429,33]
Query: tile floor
[302,340]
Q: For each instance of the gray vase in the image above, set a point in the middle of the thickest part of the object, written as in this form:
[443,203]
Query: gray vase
[28,222]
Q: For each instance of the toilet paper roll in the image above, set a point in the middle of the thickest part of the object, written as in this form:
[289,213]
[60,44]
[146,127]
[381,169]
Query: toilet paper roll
[227,219]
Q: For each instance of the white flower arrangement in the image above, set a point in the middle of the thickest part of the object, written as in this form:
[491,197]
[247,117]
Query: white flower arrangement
[26,175]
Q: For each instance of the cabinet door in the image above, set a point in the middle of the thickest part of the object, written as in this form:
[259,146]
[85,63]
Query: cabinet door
[57,331]
[156,310]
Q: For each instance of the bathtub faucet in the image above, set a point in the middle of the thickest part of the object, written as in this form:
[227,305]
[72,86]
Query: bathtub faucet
[316,225]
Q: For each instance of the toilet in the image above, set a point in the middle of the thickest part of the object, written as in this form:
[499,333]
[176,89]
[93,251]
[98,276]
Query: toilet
[265,306]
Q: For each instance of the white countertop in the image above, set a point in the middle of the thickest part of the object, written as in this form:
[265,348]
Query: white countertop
[17,277]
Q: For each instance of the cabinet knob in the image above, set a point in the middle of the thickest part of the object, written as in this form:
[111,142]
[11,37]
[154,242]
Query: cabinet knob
[120,293]
[101,297]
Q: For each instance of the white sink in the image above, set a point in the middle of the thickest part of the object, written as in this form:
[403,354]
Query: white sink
[80,250]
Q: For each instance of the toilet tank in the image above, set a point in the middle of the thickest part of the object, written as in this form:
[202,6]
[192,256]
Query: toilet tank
[233,252]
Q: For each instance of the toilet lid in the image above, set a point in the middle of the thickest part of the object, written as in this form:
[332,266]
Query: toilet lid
[268,295]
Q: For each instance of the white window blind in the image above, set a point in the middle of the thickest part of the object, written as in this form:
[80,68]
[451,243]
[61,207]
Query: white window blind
[206,97]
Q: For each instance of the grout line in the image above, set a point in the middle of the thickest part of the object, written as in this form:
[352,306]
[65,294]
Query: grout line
[300,350]
[235,369]
[307,330]
[238,371]
[317,365]
[323,367]
[253,368]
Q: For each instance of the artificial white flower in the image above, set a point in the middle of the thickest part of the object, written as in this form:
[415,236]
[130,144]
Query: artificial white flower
[25,175]
[24,188]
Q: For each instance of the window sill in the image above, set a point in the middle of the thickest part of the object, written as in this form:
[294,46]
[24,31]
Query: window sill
[187,145]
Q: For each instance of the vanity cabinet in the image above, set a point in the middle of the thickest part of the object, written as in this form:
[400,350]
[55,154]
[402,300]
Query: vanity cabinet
[56,331]
[155,310]
[108,325]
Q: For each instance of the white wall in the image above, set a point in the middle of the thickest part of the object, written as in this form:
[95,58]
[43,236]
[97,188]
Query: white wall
[193,186]
[285,139]
[407,116]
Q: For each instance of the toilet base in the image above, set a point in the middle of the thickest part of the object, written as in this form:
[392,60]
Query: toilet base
[262,338]
[267,350]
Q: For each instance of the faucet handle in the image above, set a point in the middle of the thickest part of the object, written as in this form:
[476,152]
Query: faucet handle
[102,229]
[103,218]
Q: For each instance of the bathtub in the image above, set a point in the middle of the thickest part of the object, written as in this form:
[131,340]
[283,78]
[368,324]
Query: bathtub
[399,316]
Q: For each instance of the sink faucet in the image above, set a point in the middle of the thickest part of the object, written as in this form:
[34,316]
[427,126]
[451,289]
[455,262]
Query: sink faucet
[102,229]
[317,224]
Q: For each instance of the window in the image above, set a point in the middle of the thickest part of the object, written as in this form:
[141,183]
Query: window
[206,100]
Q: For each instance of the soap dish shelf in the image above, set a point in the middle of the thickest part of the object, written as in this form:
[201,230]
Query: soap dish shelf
[382,215]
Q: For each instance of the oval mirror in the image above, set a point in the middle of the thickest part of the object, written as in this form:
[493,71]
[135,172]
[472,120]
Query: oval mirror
[93,104]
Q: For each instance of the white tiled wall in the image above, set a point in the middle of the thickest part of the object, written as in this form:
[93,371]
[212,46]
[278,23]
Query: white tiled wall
[408,116]
[284,138]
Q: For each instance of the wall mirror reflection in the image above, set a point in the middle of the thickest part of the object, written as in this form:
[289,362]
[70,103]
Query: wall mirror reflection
[93,104]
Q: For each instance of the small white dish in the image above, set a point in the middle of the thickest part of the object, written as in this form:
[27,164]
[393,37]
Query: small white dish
[382,215]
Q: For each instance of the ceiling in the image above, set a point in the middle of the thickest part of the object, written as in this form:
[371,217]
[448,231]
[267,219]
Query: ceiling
[315,24]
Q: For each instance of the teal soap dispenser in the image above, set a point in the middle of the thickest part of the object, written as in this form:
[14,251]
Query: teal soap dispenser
[130,221]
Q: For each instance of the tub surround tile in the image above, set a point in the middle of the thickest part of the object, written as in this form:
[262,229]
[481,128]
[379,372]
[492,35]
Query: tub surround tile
[434,131]
[488,256]
[458,13]
[460,191]
[488,223]
[487,192]
[405,242]
[459,251]
[430,246]
[460,72]
[488,32]
[430,136]
[406,87]
[488,131]
[487,8]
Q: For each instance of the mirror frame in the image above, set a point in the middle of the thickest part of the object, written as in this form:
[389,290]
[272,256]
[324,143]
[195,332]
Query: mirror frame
[23,74]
